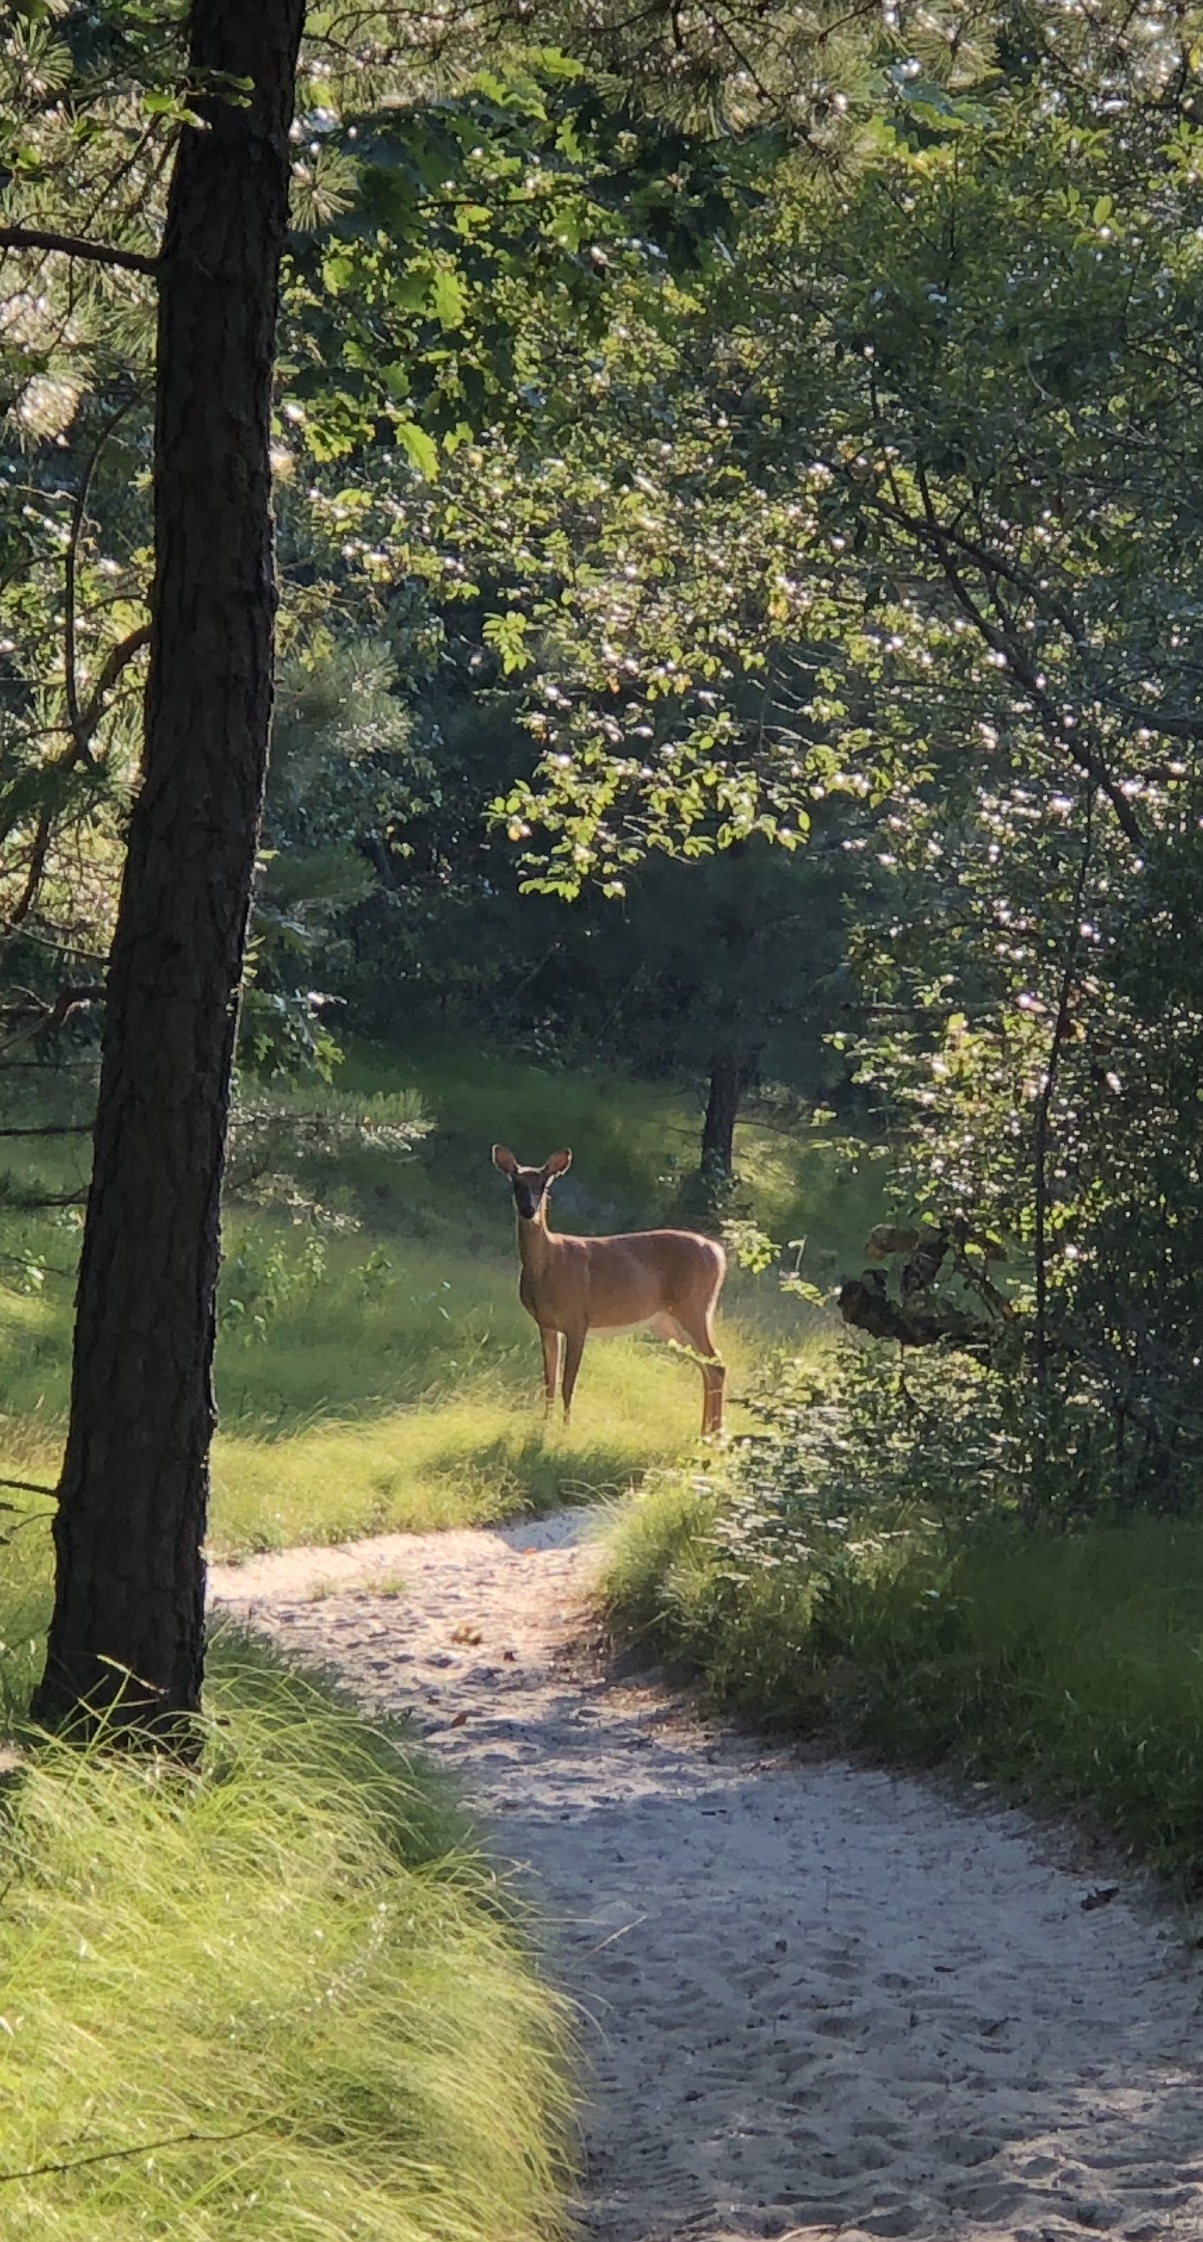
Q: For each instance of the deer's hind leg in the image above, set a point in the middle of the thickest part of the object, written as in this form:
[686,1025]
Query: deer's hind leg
[551,1365]
[698,1333]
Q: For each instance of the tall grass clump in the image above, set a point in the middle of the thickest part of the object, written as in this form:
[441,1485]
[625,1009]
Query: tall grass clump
[276,1998]
[26,1573]
[844,1574]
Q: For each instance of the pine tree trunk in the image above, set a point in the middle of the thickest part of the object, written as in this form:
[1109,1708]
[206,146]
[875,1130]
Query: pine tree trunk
[128,1626]
[730,1074]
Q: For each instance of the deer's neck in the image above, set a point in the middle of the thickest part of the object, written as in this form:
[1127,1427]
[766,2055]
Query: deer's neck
[536,1243]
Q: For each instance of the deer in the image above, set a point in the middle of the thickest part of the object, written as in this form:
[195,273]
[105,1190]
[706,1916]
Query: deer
[665,1280]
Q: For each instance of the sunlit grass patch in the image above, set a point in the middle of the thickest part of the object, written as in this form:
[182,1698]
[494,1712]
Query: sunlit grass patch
[632,1141]
[635,1145]
[382,1374]
[26,1572]
[472,1456]
[403,1390]
[274,1999]
[375,1327]
[657,1547]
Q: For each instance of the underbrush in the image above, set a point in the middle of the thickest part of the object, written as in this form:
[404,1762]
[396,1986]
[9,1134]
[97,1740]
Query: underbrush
[278,1997]
[1067,1668]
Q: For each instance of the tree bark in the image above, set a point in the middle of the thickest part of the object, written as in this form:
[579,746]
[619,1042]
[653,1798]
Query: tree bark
[730,1074]
[127,1637]
[868,1307]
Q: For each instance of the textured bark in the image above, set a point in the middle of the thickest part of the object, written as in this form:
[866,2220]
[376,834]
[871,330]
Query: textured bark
[730,1074]
[128,1628]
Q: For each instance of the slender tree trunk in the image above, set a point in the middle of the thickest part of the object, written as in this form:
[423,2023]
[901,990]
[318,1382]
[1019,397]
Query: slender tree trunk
[128,1627]
[730,1074]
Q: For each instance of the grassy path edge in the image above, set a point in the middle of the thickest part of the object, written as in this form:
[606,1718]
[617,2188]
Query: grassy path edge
[285,1996]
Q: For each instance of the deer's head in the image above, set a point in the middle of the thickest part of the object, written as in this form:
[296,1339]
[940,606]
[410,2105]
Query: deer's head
[530,1185]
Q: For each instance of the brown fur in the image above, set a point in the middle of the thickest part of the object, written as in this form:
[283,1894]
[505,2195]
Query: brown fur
[668,1279]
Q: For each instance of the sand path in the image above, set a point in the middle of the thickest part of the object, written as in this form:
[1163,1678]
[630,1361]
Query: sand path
[818,2000]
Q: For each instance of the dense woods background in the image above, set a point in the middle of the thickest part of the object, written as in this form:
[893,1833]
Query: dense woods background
[738,572]
[703,505]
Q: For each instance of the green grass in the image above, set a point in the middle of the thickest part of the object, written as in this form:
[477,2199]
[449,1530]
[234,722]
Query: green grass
[477,1455]
[277,1998]
[1068,1670]
[292,1954]
[395,1381]
[26,1573]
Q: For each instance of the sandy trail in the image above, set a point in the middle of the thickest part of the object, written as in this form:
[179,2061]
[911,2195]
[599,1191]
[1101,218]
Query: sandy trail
[818,2000]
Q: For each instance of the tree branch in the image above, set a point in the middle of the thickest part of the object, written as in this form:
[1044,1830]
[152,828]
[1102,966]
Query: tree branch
[1006,643]
[32,1202]
[83,727]
[71,245]
[52,1129]
[137,2148]
[869,1307]
[110,670]
[51,1016]
[80,735]
[1044,1103]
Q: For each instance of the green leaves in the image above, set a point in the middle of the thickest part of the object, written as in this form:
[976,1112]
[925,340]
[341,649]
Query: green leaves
[473,232]
[507,635]
[448,298]
[419,448]
[922,101]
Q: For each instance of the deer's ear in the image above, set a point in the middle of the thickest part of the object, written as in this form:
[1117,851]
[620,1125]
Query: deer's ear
[504,1159]
[558,1162]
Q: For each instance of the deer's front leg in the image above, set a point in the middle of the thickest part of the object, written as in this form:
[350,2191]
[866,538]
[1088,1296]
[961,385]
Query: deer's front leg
[551,1364]
[574,1348]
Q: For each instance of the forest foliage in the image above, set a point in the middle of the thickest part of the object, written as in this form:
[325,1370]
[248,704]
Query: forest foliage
[741,594]
[736,485]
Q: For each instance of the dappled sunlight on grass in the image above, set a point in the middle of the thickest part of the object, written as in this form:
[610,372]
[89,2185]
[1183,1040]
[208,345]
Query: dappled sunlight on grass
[35,1356]
[421,1406]
[330,1995]
[381,1374]
[26,1572]
[469,1458]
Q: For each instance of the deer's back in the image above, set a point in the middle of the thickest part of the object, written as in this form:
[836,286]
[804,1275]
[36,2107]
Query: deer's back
[629,1279]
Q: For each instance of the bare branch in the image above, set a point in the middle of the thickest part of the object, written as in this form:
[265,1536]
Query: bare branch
[138,2148]
[33,1202]
[52,1129]
[70,245]
[82,738]
[37,865]
[49,1017]
[110,670]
